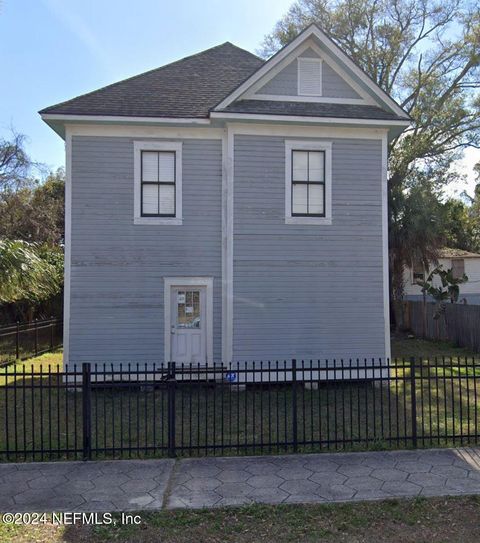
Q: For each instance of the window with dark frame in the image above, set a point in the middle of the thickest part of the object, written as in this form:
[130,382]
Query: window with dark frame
[308,183]
[158,178]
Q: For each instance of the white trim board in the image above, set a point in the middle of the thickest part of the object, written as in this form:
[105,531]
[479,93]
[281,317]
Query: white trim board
[307,131]
[386,275]
[305,119]
[126,131]
[229,247]
[122,118]
[170,282]
[138,147]
[68,249]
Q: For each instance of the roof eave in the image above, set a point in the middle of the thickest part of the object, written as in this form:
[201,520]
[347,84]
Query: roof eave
[58,121]
[395,126]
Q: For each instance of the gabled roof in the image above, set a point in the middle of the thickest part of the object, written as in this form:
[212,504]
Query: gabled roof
[187,88]
[381,98]
[212,83]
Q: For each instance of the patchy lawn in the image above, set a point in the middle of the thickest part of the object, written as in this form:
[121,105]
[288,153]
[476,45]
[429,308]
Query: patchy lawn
[45,414]
[406,347]
[408,521]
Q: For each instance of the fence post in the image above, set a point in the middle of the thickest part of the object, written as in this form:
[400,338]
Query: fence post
[413,393]
[52,324]
[17,342]
[171,385]
[294,405]
[36,337]
[87,411]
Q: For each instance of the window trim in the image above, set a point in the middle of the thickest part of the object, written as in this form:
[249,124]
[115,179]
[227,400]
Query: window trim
[139,218]
[296,145]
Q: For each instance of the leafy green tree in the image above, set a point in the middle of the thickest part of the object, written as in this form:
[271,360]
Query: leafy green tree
[426,54]
[447,289]
[28,272]
[15,164]
[34,213]
[461,227]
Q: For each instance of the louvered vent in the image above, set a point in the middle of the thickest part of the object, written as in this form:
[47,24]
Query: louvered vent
[309,77]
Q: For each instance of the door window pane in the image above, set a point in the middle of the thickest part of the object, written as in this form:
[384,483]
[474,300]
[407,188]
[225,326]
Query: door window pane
[188,309]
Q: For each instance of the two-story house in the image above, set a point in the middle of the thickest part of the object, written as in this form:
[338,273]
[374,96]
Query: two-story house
[226,208]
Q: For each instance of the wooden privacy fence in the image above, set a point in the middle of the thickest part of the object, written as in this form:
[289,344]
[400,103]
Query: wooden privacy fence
[460,324]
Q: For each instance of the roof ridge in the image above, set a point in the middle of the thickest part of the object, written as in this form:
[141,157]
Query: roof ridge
[158,68]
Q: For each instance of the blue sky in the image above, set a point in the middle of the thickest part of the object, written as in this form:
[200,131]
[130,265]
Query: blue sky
[53,50]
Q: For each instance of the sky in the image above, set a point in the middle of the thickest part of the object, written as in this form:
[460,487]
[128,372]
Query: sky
[53,50]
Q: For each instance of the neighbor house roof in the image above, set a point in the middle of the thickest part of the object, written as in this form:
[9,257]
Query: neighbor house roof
[189,87]
[448,252]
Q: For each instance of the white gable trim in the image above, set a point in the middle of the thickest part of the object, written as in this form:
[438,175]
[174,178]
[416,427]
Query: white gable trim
[312,30]
[251,93]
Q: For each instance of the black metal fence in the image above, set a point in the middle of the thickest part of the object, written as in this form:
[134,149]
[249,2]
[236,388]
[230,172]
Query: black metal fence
[263,408]
[24,340]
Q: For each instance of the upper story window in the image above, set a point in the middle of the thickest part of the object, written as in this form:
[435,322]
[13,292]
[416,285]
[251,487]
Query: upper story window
[308,183]
[309,76]
[158,183]
[308,186]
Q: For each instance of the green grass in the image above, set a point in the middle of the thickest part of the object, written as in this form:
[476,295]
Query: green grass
[448,520]
[422,348]
[341,415]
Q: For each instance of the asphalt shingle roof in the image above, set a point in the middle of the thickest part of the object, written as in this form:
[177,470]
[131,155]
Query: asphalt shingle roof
[193,86]
[310,109]
[189,87]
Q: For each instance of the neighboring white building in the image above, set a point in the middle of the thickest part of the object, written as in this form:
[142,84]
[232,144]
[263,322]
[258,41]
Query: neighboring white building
[461,262]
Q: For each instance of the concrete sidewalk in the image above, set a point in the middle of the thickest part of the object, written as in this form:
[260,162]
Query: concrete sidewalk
[125,485]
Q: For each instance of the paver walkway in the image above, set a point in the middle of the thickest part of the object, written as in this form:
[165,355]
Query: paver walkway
[124,485]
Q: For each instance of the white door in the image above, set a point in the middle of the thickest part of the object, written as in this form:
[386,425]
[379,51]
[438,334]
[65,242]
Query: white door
[188,325]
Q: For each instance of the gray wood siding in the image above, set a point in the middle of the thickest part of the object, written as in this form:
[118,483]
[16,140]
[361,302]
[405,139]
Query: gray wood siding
[285,82]
[117,312]
[334,86]
[307,291]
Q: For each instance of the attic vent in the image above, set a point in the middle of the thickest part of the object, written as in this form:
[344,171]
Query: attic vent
[309,77]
